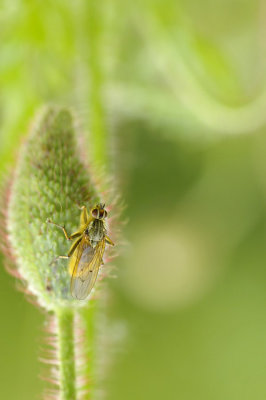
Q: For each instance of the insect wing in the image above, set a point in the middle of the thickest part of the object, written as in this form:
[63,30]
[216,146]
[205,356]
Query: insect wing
[82,260]
[86,270]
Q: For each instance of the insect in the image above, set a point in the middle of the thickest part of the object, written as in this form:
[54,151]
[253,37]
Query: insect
[86,252]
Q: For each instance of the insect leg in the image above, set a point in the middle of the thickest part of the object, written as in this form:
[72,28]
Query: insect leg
[71,251]
[109,241]
[75,235]
[68,237]
[57,258]
[84,217]
[73,247]
[61,227]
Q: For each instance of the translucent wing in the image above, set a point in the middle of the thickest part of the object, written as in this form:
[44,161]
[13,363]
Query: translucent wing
[85,271]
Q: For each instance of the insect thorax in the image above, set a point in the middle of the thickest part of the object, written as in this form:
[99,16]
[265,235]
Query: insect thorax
[96,231]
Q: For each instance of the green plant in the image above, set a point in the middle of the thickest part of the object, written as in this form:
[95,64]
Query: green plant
[51,181]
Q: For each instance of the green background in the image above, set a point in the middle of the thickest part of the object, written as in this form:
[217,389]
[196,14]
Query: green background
[179,87]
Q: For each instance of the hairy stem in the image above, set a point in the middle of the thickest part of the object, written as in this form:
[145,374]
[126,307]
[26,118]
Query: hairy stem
[66,354]
[87,315]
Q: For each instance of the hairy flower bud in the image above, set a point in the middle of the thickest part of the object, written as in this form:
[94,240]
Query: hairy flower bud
[50,182]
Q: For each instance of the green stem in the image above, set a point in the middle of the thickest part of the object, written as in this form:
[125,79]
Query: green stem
[89,26]
[66,354]
[87,315]
[97,117]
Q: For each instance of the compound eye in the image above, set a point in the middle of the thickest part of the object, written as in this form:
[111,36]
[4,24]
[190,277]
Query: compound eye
[105,214]
[95,212]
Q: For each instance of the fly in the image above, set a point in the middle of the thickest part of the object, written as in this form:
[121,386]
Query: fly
[87,250]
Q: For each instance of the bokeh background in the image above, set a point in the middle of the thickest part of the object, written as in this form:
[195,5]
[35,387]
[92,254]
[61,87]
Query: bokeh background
[179,88]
